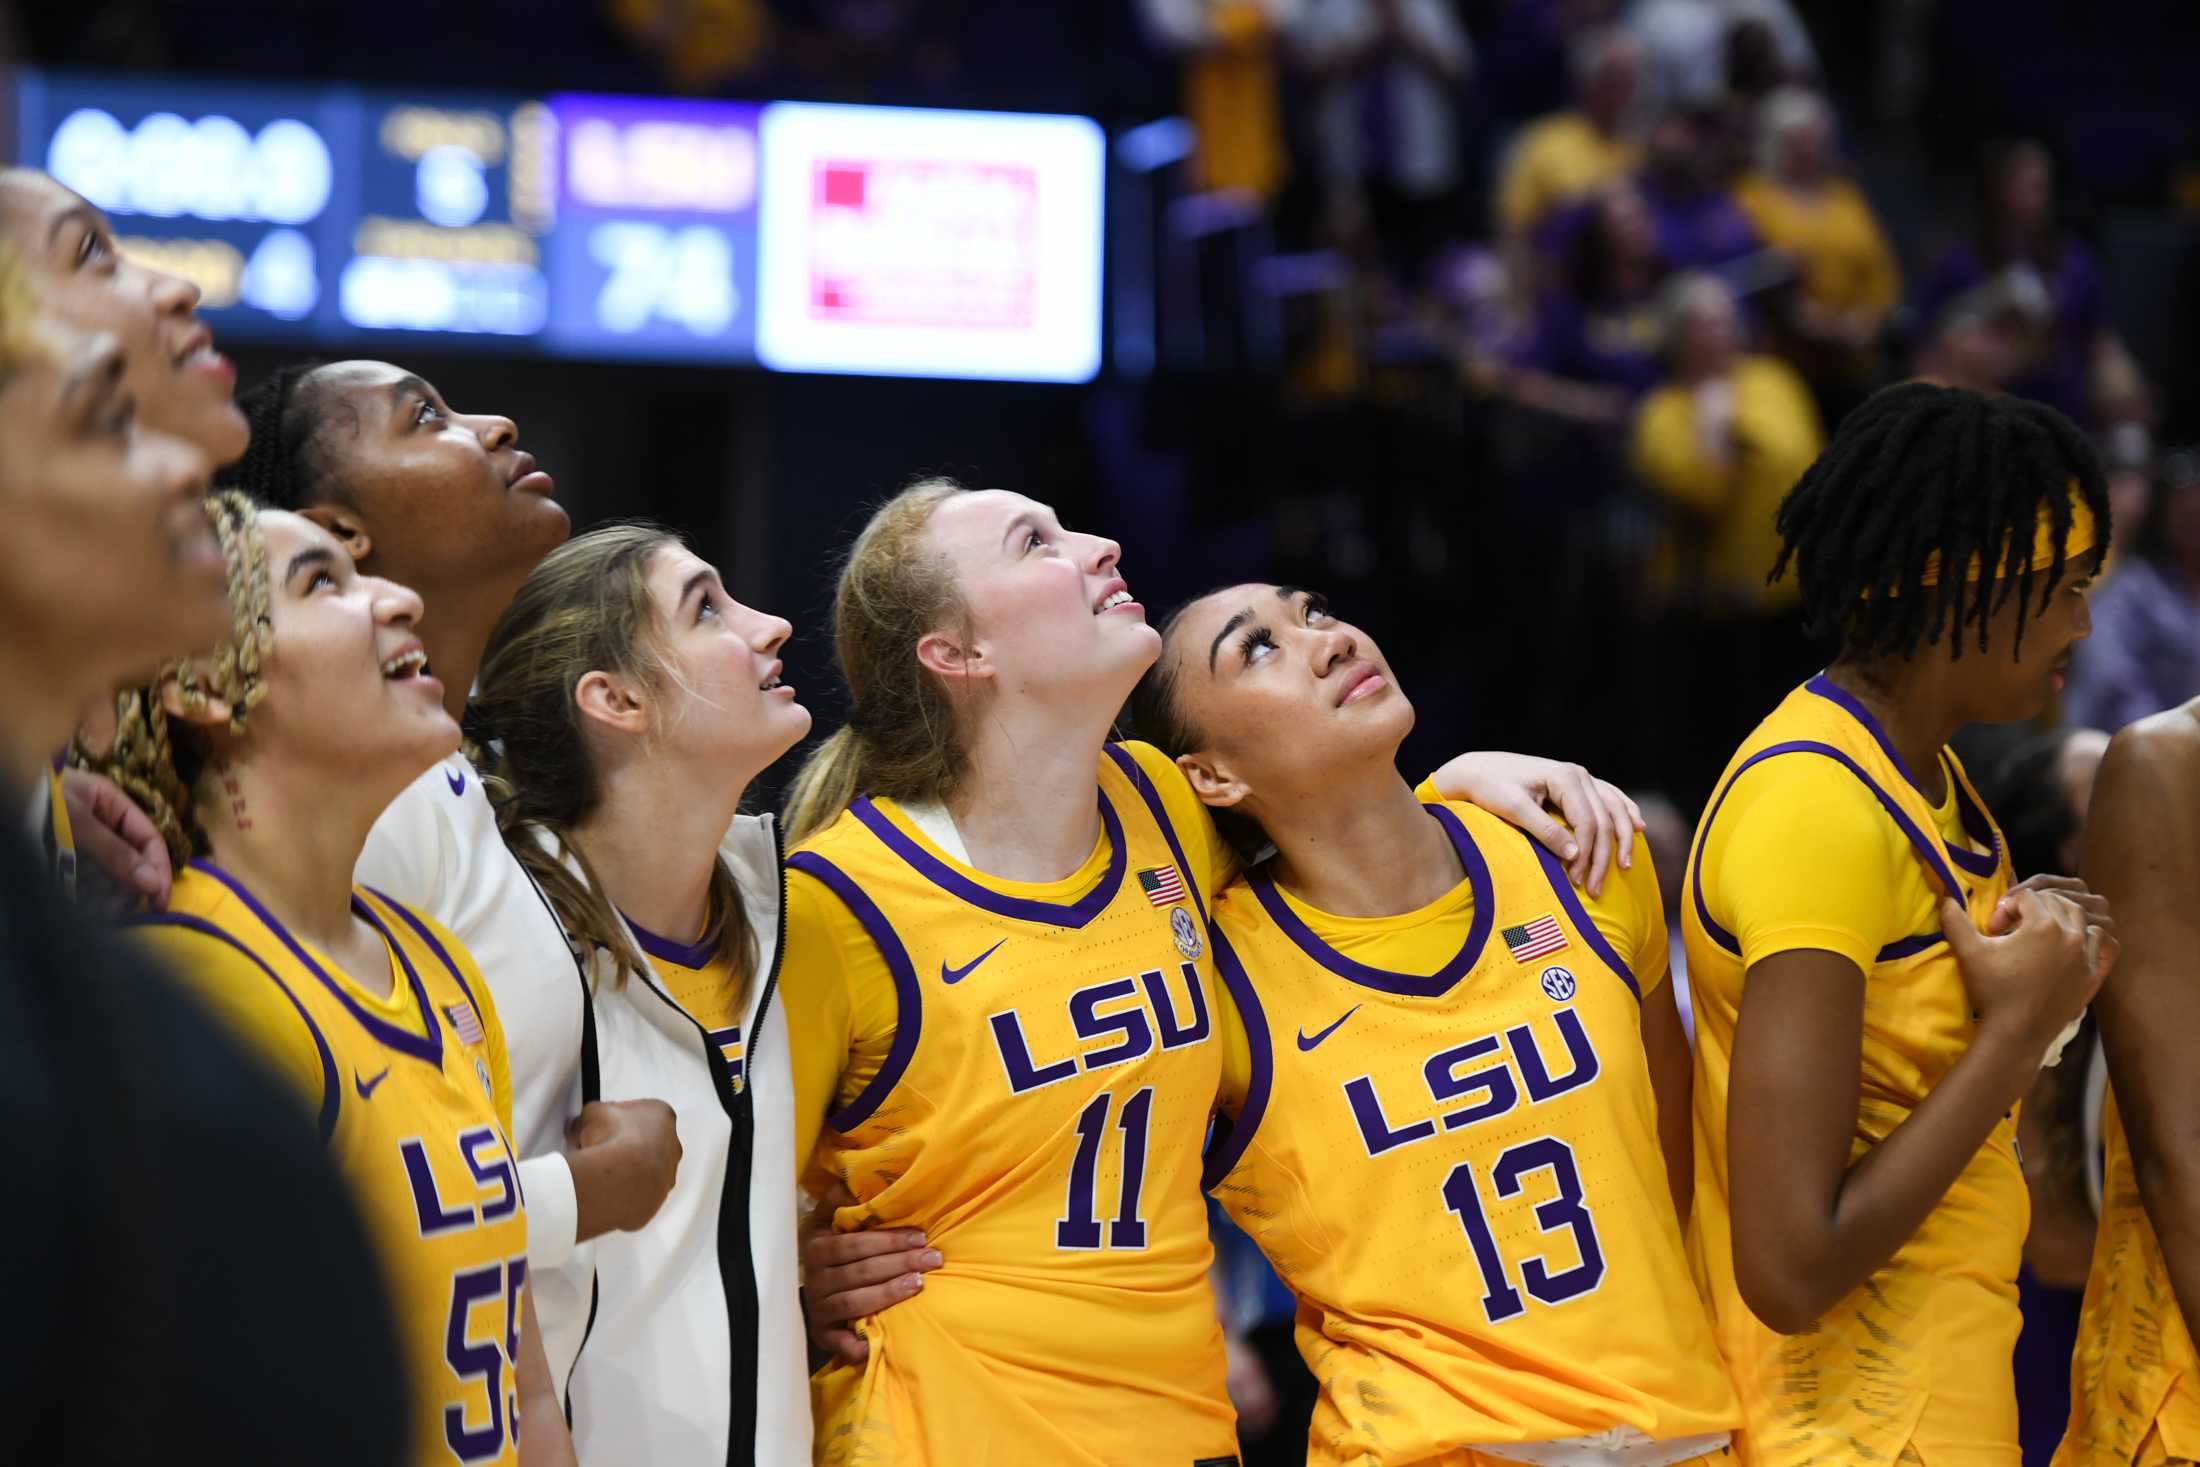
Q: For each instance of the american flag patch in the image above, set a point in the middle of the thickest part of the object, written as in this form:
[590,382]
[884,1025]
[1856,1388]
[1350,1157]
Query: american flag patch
[1164,885]
[465,1023]
[728,1041]
[1531,940]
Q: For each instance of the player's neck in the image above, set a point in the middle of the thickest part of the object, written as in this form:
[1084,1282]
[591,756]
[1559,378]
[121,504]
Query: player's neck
[1913,707]
[1362,846]
[1026,809]
[653,840]
[294,843]
[456,636]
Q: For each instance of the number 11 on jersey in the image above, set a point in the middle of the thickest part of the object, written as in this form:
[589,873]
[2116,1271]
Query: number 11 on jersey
[1079,1227]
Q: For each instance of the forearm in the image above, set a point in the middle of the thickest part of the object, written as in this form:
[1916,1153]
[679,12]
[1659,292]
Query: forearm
[544,1440]
[1810,1255]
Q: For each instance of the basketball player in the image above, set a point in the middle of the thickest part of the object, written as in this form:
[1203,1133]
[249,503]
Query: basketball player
[1872,998]
[144,1323]
[2135,1379]
[265,763]
[1007,991]
[632,701]
[1463,1134]
[181,388]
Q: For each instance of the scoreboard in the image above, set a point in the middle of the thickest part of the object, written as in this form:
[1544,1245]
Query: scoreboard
[806,238]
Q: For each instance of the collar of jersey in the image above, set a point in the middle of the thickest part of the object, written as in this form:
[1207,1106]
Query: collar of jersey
[1071,902]
[1406,985]
[698,954]
[1975,822]
[427,1046]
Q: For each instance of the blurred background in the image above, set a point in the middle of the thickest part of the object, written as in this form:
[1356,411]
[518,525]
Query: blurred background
[1505,322]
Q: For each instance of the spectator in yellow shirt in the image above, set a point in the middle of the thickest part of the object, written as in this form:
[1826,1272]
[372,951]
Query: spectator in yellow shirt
[1567,156]
[1846,280]
[1721,441]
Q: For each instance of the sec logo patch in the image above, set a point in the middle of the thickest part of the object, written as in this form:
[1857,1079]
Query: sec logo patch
[1186,933]
[1558,984]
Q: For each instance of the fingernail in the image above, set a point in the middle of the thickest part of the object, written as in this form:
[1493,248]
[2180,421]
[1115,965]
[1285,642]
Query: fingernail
[914,1283]
[1572,851]
[146,877]
[916,1240]
[932,1258]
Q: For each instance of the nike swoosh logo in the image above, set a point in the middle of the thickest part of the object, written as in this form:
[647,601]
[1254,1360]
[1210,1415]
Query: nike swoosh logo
[1307,1044]
[457,782]
[956,975]
[366,1088]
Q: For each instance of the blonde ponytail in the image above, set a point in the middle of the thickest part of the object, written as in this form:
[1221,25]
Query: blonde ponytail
[901,740]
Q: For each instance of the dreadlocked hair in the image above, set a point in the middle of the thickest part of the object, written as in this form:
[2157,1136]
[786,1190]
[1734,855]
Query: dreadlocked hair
[586,608]
[1919,472]
[279,467]
[157,763]
[1156,714]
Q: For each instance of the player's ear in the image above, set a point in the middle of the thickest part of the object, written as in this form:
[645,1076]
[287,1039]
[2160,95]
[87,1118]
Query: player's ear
[610,702]
[953,659]
[347,525]
[207,711]
[1212,782]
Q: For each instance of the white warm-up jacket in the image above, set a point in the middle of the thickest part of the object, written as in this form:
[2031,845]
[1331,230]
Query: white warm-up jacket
[696,1356]
[680,1345]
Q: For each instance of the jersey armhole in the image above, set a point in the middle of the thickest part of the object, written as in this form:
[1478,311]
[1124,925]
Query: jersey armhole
[331,1087]
[1140,781]
[1563,888]
[1228,1137]
[908,997]
[1928,852]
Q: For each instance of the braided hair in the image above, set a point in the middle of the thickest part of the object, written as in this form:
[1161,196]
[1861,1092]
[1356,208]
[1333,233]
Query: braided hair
[280,468]
[157,765]
[1918,481]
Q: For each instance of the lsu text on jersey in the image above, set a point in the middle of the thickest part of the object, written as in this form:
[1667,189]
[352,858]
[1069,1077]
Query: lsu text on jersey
[1040,1116]
[1457,1169]
[413,1100]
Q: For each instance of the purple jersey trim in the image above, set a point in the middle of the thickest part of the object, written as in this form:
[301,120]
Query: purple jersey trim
[1136,774]
[427,1047]
[1591,934]
[1027,909]
[686,954]
[1928,851]
[332,1089]
[908,1021]
[1975,821]
[1232,1136]
[435,946]
[1406,985]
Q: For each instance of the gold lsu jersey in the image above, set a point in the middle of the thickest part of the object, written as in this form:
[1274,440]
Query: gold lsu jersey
[1054,1066]
[2134,1373]
[1457,1168]
[414,1104]
[701,981]
[1914,1364]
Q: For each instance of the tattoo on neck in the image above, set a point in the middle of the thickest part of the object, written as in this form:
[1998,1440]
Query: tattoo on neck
[235,793]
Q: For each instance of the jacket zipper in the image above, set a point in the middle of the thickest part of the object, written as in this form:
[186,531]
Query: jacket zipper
[742,1304]
[736,1252]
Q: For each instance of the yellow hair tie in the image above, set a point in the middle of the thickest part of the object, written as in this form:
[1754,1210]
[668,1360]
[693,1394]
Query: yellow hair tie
[2083,536]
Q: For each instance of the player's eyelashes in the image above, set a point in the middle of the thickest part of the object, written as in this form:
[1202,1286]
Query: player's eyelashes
[425,411]
[1252,641]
